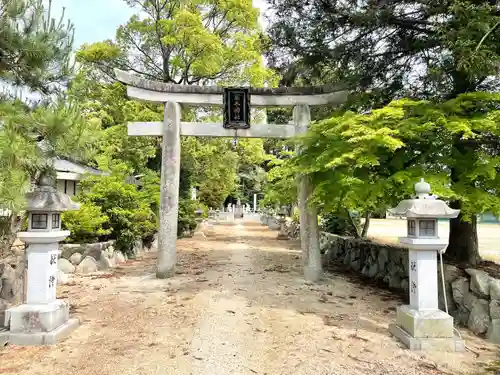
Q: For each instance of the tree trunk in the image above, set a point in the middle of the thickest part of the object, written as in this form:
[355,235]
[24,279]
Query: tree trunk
[463,241]
[354,225]
[366,225]
[9,226]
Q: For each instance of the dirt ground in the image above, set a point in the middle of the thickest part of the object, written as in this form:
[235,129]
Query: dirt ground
[238,305]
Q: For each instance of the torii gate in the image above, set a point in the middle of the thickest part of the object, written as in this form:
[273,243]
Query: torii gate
[172,128]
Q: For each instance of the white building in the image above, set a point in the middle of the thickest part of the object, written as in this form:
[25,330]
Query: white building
[70,173]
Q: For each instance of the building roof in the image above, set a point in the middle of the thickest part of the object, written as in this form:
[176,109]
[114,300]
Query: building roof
[63,165]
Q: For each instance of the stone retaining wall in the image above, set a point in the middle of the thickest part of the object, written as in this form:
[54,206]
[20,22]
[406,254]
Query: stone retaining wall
[88,258]
[473,297]
[12,269]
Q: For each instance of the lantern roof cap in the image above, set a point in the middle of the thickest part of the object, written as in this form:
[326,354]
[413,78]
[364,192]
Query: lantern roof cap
[46,198]
[424,205]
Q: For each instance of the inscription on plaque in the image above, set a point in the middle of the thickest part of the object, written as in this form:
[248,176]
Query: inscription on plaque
[53,259]
[236,108]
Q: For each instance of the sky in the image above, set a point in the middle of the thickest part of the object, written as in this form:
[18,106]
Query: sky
[97,20]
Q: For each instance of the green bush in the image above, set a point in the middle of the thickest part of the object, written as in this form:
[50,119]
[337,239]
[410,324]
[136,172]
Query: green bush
[129,211]
[340,224]
[86,225]
[187,216]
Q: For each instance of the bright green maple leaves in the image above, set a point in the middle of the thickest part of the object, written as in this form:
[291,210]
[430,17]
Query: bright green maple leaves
[365,162]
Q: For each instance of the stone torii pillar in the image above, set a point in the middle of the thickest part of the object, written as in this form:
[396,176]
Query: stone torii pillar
[309,230]
[172,128]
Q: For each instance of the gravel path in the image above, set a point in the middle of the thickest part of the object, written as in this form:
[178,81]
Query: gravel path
[238,306]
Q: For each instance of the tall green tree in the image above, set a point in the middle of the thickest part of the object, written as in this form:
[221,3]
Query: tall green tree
[366,161]
[393,49]
[34,48]
[186,42]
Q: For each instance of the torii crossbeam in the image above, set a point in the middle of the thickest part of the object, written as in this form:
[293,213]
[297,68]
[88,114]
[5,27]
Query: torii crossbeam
[172,128]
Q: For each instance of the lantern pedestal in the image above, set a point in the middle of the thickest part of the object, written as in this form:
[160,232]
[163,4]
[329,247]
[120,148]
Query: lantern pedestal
[43,319]
[40,324]
[421,325]
[426,330]
[282,233]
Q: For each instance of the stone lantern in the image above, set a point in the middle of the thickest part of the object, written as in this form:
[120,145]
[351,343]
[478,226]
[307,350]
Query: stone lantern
[42,319]
[421,325]
[281,221]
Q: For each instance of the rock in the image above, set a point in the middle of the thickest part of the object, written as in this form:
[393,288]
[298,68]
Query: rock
[65,266]
[87,265]
[383,257]
[461,315]
[373,270]
[62,278]
[94,250]
[355,265]
[104,254]
[67,250]
[8,285]
[451,273]
[495,289]
[405,285]
[105,264]
[469,301]
[449,297]
[479,318]
[495,309]
[459,288]
[395,282]
[392,269]
[118,257]
[75,259]
[479,282]
[347,258]
[493,333]
[364,271]
[111,250]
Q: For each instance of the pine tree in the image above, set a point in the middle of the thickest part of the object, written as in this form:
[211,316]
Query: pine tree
[35,49]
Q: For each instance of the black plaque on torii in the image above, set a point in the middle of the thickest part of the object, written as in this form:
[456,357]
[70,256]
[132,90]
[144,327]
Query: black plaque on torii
[236,108]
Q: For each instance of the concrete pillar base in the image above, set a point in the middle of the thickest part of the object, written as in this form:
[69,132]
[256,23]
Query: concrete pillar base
[426,330]
[38,324]
[199,235]
[225,217]
[4,337]
[452,344]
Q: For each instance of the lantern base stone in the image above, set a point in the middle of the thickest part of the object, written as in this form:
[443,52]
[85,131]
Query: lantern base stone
[39,324]
[225,216]
[426,330]
[4,337]
[44,338]
[199,235]
[453,344]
